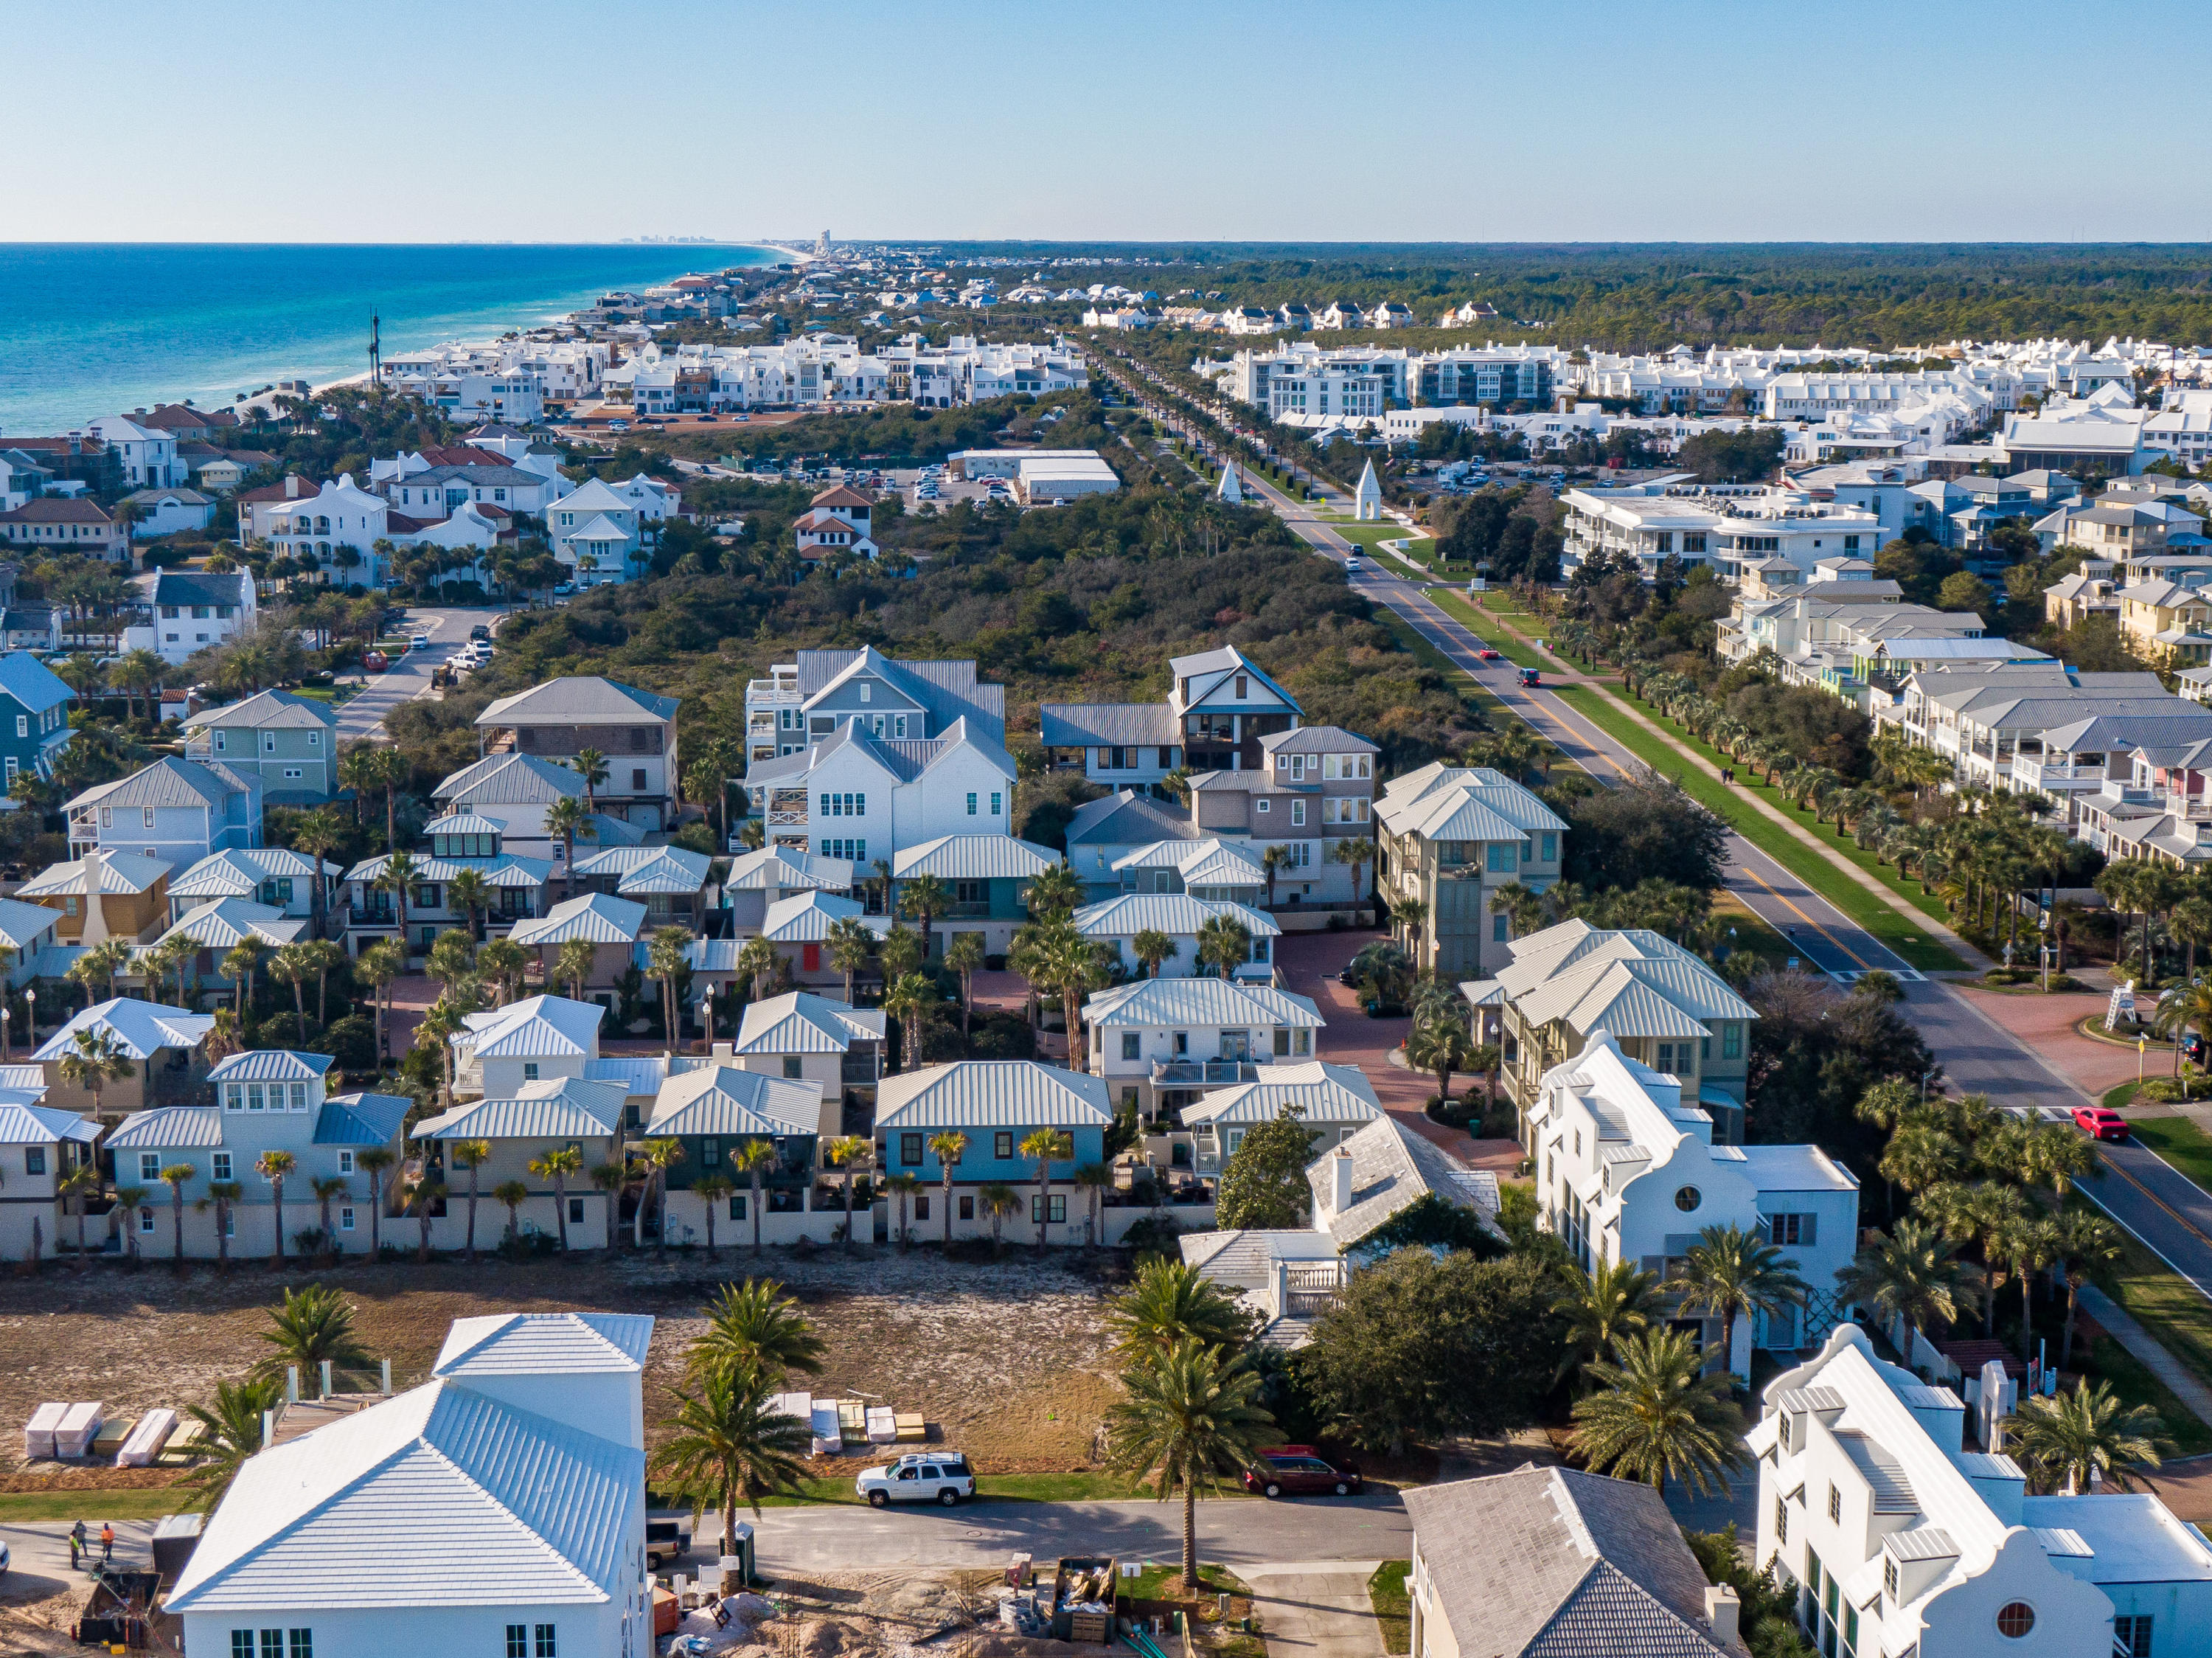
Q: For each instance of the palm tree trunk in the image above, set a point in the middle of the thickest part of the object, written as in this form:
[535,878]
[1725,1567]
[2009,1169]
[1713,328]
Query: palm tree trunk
[948,1208]
[756,1209]
[1189,1538]
[2066,1340]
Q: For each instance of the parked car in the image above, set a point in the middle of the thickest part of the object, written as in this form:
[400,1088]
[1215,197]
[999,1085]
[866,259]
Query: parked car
[1294,1470]
[941,1477]
[2100,1123]
[420,642]
[667,1539]
[617,426]
[480,632]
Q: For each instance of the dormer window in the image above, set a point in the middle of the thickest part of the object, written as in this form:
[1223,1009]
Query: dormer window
[867,691]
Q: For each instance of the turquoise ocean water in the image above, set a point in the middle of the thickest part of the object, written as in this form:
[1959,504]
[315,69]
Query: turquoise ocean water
[90,329]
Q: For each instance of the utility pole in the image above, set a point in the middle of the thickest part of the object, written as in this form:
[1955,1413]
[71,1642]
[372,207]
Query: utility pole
[376,350]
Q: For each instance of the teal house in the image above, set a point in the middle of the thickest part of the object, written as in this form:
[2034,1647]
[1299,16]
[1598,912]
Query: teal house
[996,1104]
[987,884]
[34,724]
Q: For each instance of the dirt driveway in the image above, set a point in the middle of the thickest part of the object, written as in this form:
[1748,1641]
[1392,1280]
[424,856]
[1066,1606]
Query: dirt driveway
[1007,1359]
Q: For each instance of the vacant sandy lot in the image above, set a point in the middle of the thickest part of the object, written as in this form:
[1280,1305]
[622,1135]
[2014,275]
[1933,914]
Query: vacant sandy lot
[1007,1359]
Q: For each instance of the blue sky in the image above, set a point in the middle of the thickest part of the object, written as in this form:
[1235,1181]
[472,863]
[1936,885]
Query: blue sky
[976,119]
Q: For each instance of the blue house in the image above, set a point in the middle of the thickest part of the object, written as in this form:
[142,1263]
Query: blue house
[35,725]
[996,1103]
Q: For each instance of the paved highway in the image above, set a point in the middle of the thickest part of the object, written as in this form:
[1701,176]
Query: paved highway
[2160,1205]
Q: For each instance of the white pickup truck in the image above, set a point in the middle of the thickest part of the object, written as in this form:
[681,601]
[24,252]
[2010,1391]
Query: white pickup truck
[918,1477]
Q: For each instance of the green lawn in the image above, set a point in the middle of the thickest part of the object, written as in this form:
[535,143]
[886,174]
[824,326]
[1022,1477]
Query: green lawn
[1896,931]
[91,1507]
[1411,641]
[2131,1379]
[2177,1140]
[1455,604]
[2172,1309]
[1394,1613]
[1162,1581]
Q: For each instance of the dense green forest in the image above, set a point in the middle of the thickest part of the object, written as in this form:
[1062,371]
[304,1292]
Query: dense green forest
[1650,296]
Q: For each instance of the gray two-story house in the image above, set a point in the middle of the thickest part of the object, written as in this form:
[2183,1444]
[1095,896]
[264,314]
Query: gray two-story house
[1313,789]
[632,731]
[1219,706]
[290,743]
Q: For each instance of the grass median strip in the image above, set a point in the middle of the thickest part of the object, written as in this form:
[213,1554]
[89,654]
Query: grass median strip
[1514,650]
[1884,923]
[2173,1310]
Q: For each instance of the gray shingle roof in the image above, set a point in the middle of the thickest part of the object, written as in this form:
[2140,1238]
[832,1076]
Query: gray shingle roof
[1553,1562]
[184,586]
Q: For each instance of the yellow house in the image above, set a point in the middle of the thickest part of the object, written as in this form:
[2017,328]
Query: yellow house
[132,892]
[2166,623]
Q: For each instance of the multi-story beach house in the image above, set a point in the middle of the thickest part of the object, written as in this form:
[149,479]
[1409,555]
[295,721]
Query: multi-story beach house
[177,810]
[1219,707]
[818,691]
[1450,837]
[633,732]
[193,611]
[290,743]
[34,726]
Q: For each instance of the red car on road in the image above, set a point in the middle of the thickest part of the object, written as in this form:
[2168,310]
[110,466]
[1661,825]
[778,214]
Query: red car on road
[1487,655]
[2100,1123]
[1293,1469]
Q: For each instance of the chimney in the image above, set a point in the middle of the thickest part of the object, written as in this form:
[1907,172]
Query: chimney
[725,1053]
[291,485]
[94,865]
[325,1392]
[291,1384]
[384,1375]
[1722,1609]
[268,1429]
[1340,1181]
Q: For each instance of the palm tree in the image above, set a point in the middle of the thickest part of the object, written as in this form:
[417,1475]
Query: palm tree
[1358,851]
[1223,942]
[174,1177]
[1604,1305]
[998,1201]
[368,769]
[659,1155]
[2026,1243]
[851,943]
[591,766]
[467,890]
[1277,858]
[712,1190]
[573,963]
[130,1199]
[1152,948]
[1095,1178]
[373,1161]
[924,898]
[398,877]
[429,1192]
[1056,890]
[500,963]
[565,820]
[1733,1273]
[1440,1045]
[2080,1243]
[94,1059]
[314,1324]
[1171,1301]
[273,1167]
[1074,966]
[230,1432]
[754,1327]
[328,1190]
[667,957]
[556,1165]
[514,1194]
[1191,1414]
[1912,1272]
[1409,914]
[899,951]
[750,1158]
[902,1188]
[844,1151]
[757,963]
[1919,1156]
[911,1000]
[730,1441]
[948,1148]
[2072,1435]
[82,1183]
[964,956]
[379,964]
[315,835]
[472,1155]
[222,1196]
[1654,1415]
[1043,1145]
[238,966]
[293,965]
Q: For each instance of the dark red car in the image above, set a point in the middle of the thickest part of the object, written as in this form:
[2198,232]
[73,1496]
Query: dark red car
[2100,1123]
[1298,1469]
[1486,654]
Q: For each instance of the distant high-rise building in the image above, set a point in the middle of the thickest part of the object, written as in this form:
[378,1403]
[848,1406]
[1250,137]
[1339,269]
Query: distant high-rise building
[822,246]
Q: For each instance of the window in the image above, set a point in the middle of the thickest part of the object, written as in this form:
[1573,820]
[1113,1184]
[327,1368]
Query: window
[345,1217]
[149,1167]
[2015,1619]
[971,805]
[22,725]
[1242,685]
[910,1148]
[791,1068]
[998,807]
[1298,814]
[2131,1634]
[1791,1231]
[1688,1199]
[1057,1215]
[1132,1044]
[546,1645]
[967,1208]
[1264,805]
[1781,1520]
[1732,1040]
[299,1096]
[920,1207]
[1551,845]
[1835,1503]
[1504,857]
[1002,1147]
[1889,1575]
[222,1170]
[146,1220]
[149,817]
[301,1642]
[518,1641]
[1501,928]
[529,1071]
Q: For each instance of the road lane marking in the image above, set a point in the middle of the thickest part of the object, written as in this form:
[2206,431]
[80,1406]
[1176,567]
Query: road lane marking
[1809,922]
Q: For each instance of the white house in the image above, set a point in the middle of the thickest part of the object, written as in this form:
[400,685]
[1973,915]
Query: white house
[192,611]
[599,530]
[1627,1170]
[275,875]
[178,811]
[514,791]
[1334,1103]
[169,510]
[526,1042]
[147,454]
[1159,1044]
[1116,923]
[521,1128]
[807,698]
[336,528]
[854,796]
[799,1037]
[499,1507]
[1897,1538]
[38,1145]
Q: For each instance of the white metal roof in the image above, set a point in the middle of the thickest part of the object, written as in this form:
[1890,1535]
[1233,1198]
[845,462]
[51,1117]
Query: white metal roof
[140,1029]
[531,1344]
[239,872]
[1169,1003]
[798,1022]
[993,1094]
[229,922]
[123,873]
[598,917]
[22,924]
[721,1099]
[774,866]
[1176,914]
[24,1123]
[551,1108]
[270,1065]
[805,918]
[193,1128]
[1322,1093]
[535,1028]
[439,1497]
[974,858]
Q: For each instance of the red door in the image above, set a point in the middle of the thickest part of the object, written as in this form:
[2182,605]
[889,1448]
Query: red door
[809,958]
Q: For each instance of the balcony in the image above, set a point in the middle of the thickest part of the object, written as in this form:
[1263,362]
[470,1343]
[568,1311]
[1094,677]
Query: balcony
[1187,1073]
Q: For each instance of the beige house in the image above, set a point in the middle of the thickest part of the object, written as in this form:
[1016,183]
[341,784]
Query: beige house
[133,894]
[1313,789]
[163,1044]
[1663,1007]
[2166,622]
[1451,837]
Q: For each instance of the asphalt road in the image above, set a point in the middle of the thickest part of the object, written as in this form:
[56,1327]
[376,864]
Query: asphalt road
[40,1561]
[410,676]
[2147,1195]
[1233,1531]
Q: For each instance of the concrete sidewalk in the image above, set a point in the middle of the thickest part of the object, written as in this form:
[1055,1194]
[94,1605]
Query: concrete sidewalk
[2124,1330]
